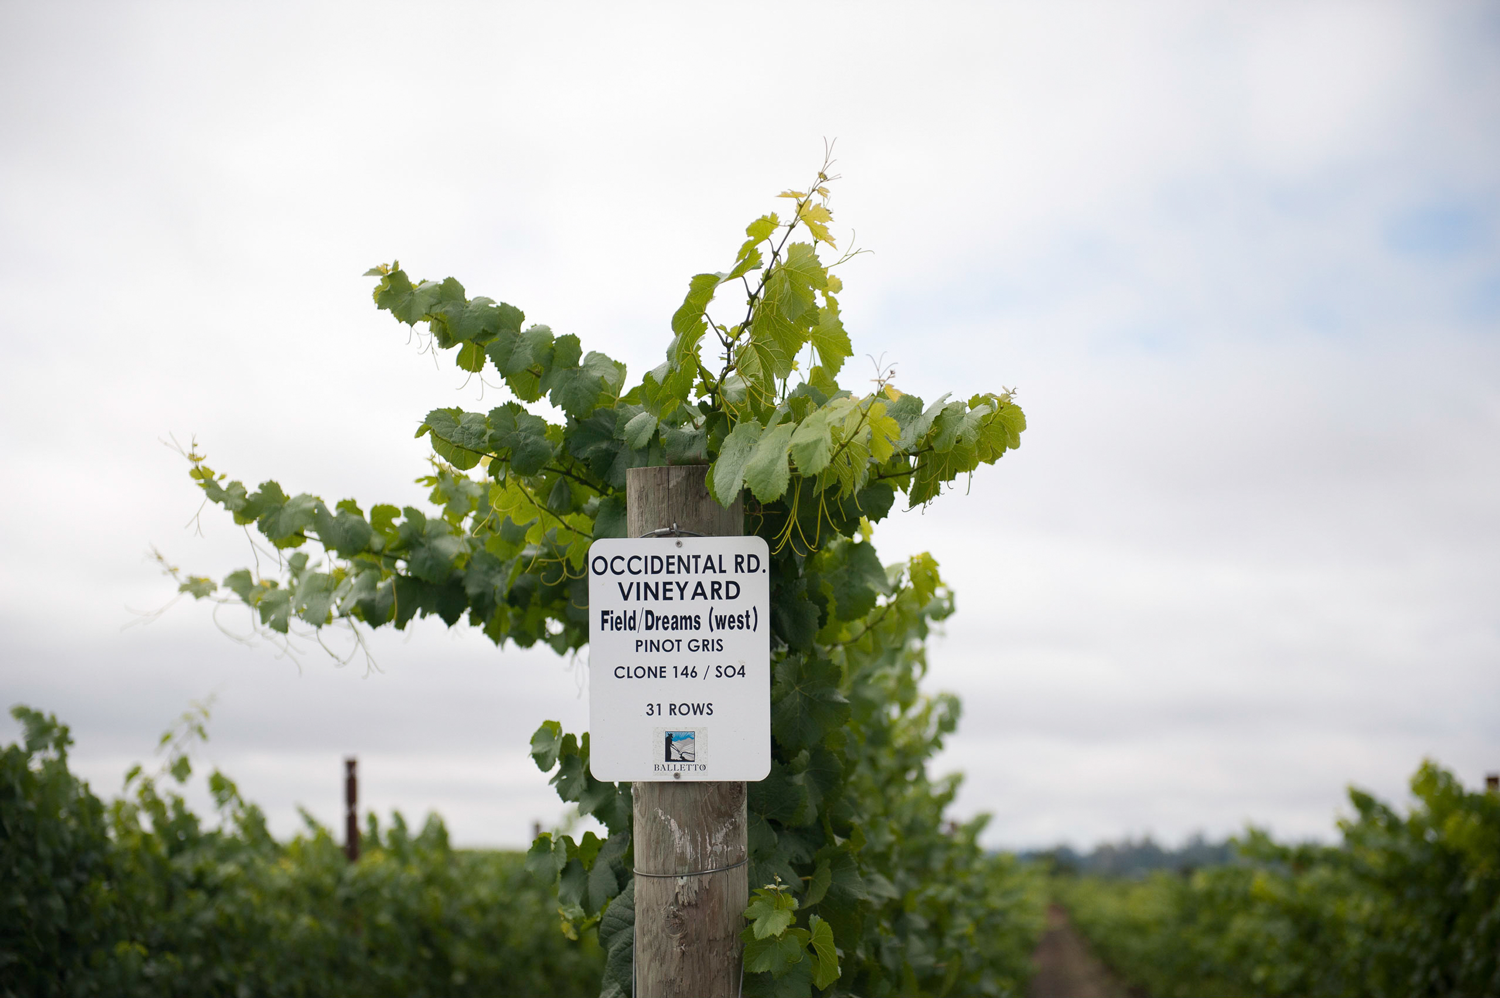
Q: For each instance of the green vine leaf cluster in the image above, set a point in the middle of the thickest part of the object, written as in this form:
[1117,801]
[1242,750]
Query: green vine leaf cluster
[775,946]
[848,821]
[848,818]
[507,546]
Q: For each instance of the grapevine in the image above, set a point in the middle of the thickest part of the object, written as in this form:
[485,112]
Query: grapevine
[847,819]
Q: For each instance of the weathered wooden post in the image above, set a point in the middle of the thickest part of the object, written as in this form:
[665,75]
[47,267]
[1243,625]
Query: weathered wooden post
[691,883]
[351,808]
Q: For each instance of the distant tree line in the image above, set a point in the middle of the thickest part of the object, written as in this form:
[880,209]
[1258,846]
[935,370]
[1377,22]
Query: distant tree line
[1135,857]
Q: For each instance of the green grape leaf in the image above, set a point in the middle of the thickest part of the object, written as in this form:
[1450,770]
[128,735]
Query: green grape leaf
[286,525]
[240,583]
[545,859]
[830,339]
[458,320]
[471,358]
[816,217]
[617,939]
[447,427]
[857,581]
[750,261]
[275,609]
[685,444]
[314,598]
[688,322]
[805,701]
[261,504]
[588,847]
[775,954]
[597,796]
[781,320]
[825,956]
[434,552]
[767,472]
[817,887]
[578,390]
[346,533]
[467,430]
[407,302]
[570,779]
[523,435]
[804,274]
[605,873]
[947,424]
[794,617]
[198,586]
[561,498]
[609,521]
[617,815]
[846,882]
[523,359]
[770,912]
[573,884]
[758,231]
[760,360]
[820,771]
[593,441]
[918,425]
[639,430]
[727,476]
[923,572]
[546,743]
[812,443]
[777,797]
[1000,431]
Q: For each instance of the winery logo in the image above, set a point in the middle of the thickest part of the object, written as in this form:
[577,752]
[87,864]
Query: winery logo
[680,746]
[678,752]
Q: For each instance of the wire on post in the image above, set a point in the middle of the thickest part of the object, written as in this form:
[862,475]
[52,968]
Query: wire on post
[672,531]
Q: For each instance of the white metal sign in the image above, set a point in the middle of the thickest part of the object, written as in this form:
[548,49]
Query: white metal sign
[680,659]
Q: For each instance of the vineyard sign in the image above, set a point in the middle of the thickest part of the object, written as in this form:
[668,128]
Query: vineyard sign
[680,659]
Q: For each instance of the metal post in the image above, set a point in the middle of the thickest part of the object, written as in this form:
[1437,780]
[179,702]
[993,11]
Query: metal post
[351,809]
[687,927]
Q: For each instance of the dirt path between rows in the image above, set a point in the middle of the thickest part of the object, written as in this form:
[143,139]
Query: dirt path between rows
[1066,969]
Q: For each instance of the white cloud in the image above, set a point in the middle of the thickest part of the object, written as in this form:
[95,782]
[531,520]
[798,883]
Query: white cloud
[1244,556]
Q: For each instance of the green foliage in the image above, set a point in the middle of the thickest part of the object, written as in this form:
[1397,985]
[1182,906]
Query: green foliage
[142,898]
[848,825]
[54,863]
[1405,906]
[773,945]
[505,548]
[848,817]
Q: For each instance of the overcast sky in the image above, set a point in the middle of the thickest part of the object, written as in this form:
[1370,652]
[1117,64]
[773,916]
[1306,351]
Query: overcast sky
[1241,262]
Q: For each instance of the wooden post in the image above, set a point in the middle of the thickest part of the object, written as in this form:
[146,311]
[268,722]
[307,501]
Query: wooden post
[351,809]
[687,927]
